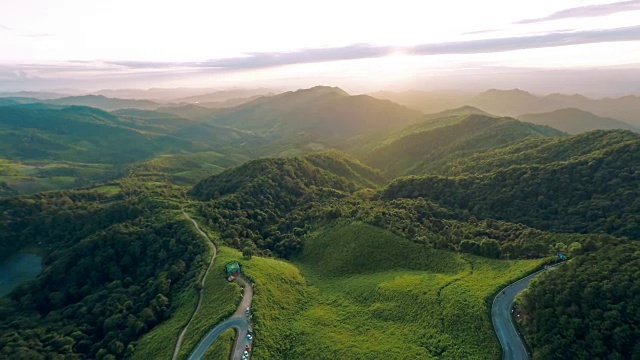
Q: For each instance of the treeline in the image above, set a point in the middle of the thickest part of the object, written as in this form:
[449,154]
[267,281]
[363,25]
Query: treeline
[114,266]
[587,308]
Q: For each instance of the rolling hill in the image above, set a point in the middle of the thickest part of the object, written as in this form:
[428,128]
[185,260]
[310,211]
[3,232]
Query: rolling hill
[45,148]
[104,103]
[428,146]
[575,121]
[331,169]
[224,96]
[425,101]
[324,112]
[594,192]
[539,152]
[463,110]
[95,101]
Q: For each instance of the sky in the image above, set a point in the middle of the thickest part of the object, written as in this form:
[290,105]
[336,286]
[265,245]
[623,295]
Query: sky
[545,45]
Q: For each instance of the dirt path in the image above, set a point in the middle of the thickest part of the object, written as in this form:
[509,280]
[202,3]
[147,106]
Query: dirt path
[176,350]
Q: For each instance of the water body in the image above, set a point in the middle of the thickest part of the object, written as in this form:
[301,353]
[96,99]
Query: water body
[17,269]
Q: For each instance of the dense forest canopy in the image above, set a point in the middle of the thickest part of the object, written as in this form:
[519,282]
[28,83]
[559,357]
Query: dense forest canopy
[587,308]
[597,192]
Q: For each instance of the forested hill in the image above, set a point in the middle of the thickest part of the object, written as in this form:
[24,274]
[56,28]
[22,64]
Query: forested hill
[326,112]
[428,146]
[541,151]
[597,192]
[588,308]
[116,263]
[290,176]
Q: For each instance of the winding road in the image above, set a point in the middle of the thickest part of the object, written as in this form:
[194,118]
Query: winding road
[176,349]
[237,321]
[513,347]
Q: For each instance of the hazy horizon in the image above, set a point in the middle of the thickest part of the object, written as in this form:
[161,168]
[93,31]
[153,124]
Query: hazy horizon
[588,47]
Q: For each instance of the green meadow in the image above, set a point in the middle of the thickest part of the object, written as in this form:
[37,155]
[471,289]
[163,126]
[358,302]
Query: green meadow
[355,292]
[359,292]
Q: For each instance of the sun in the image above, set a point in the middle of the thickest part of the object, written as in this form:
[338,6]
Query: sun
[396,65]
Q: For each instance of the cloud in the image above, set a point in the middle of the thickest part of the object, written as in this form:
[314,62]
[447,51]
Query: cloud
[588,11]
[363,51]
[18,33]
[36,35]
[479,32]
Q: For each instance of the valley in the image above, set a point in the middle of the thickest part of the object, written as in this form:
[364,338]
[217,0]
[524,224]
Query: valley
[370,230]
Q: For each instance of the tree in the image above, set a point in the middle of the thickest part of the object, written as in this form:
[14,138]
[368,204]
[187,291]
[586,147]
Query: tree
[247,252]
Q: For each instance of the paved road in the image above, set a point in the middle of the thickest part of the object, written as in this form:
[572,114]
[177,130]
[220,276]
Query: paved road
[237,321]
[176,349]
[513,347]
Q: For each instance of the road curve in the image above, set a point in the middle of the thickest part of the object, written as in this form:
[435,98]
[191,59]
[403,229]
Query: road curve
[237,321]
[176,349]
[513,347]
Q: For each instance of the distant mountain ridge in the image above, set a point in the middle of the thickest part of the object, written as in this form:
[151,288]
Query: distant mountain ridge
[575,121]
[95,101]
[463,110]
[516,102]
[325,112]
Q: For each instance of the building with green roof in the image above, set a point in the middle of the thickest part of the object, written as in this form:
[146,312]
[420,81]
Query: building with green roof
[233,269]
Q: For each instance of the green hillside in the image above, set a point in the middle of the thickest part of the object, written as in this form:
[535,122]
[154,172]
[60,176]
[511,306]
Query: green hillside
[429,305]
[187,169]
[576,121]
[290,176]
[79,134]
[429,146]
[541,151]
[46,148]
[597,192]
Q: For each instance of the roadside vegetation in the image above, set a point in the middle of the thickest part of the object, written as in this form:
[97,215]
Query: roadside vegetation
[221,348]
[587,308]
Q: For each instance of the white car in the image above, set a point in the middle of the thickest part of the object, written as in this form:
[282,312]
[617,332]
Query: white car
[249,337]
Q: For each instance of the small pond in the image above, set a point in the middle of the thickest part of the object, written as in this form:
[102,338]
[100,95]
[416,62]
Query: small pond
[17,269]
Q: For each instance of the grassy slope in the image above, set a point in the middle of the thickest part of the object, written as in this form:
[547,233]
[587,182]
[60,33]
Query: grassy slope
[188,169]
[222,347]
[359,292]
[410,301]
[220,300]
[44,175]
[418,302]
